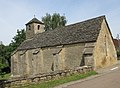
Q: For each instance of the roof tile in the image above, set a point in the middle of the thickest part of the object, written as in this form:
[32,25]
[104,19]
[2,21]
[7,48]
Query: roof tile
[34,20]
[86,31]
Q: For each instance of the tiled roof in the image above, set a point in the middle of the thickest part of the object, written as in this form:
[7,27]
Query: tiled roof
[86,31]
[34,20]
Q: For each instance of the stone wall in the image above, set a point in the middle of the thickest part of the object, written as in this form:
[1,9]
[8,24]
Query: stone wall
[73,55]
[26,63]
[44,77]
[32,29]
[29,31]
[62,57]
[41,28]
[104,51]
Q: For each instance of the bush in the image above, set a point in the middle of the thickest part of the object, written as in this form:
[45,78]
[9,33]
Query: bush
[118,53]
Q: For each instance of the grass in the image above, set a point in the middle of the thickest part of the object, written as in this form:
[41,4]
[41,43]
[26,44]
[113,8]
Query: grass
[5,76]
[53,83]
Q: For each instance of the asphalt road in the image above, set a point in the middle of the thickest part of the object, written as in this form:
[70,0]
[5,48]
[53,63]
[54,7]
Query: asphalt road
[107,80]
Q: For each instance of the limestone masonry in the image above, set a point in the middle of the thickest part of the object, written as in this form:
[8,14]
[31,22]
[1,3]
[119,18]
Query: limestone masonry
[87,43]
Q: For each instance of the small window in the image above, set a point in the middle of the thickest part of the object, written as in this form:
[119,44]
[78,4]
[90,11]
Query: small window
[38,27]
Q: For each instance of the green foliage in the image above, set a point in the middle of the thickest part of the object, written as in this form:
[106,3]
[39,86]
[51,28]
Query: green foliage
[53,83]
[118,53]
[6,51]
[53,21]
[3,51]
[17,39]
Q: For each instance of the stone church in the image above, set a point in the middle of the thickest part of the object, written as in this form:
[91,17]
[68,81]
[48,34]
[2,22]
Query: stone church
[88,43]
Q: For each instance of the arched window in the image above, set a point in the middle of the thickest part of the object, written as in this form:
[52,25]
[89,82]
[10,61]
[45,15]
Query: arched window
[38,27]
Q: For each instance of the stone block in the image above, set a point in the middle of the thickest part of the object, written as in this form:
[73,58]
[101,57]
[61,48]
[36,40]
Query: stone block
[49,77]
[57,76]
[23,81]
[43,78]
[36,80]
[75,72]
[68,74]
[63,74]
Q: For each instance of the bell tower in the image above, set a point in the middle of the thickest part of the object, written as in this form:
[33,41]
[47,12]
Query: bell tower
[33,27]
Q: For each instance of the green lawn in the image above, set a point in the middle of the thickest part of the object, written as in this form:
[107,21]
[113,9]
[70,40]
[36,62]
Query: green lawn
[53,83]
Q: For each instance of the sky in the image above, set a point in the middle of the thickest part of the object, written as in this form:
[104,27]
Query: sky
[14,14]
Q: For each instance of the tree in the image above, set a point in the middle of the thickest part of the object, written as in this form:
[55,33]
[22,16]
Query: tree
[17,39]
[53,21]
[3,61]
[6,51]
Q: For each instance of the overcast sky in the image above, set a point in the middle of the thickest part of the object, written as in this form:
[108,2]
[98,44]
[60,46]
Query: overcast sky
[15,13]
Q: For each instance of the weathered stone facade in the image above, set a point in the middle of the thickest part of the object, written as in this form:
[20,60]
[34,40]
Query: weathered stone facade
[104,52]
[92,45]
[43,60]
[34,27]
